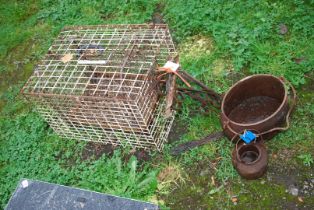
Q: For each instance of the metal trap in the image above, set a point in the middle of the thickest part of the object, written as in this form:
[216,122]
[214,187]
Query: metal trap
[98,83]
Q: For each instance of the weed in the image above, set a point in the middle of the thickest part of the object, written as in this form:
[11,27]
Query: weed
[95,12]
[307,159]
[111,175]
[248,33]
[30,149]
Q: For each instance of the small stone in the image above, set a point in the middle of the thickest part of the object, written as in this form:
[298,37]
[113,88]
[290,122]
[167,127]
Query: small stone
[283,29]
[293,190]
[24,183]
[312,180]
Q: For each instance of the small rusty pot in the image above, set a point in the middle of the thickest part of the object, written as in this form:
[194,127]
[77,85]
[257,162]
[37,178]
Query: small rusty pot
[250,160]
[258,102]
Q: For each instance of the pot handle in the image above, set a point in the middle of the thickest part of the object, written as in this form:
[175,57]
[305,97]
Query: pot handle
[292,106]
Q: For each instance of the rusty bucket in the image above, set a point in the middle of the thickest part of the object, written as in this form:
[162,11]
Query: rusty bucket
[259,102]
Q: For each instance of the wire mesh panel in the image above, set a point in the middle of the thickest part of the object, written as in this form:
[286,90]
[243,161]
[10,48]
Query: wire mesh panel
[98,83]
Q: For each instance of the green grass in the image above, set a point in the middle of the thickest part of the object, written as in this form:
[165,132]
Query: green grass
[219,42]
[30,149]
[247,33]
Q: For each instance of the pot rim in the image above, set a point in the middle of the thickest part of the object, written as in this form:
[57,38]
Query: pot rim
[247,145]
[267,118]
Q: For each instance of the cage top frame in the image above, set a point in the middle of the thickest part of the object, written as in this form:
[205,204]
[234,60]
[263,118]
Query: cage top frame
[124,54]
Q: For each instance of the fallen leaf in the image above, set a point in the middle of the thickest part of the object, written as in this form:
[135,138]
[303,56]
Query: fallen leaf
[66,58]
[234,199]
[300,199]
[213,181]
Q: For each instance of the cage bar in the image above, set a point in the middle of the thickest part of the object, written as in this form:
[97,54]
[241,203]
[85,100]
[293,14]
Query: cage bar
[98,83]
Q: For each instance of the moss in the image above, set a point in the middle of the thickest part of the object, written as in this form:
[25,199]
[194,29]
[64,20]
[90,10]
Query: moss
[201,190]
[196,46]
[221,67]
[260,195]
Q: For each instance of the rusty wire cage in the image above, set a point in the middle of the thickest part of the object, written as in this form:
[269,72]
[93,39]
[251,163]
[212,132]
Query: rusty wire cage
[98,83]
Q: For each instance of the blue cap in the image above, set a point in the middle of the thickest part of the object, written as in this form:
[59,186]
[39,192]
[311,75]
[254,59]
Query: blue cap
[248,136]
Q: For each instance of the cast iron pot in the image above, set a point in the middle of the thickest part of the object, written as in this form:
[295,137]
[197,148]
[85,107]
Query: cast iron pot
[273,93]
[250,160]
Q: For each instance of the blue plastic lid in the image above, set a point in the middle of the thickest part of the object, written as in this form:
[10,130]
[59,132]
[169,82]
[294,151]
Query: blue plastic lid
[248,136]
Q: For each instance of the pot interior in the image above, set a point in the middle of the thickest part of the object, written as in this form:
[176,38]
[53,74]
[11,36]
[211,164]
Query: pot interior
[248,154]
[254,99]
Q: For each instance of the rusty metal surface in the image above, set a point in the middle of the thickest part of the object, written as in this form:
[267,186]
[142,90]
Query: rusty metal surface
[192,144]
[250,160]
[98,83]
[257,102]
